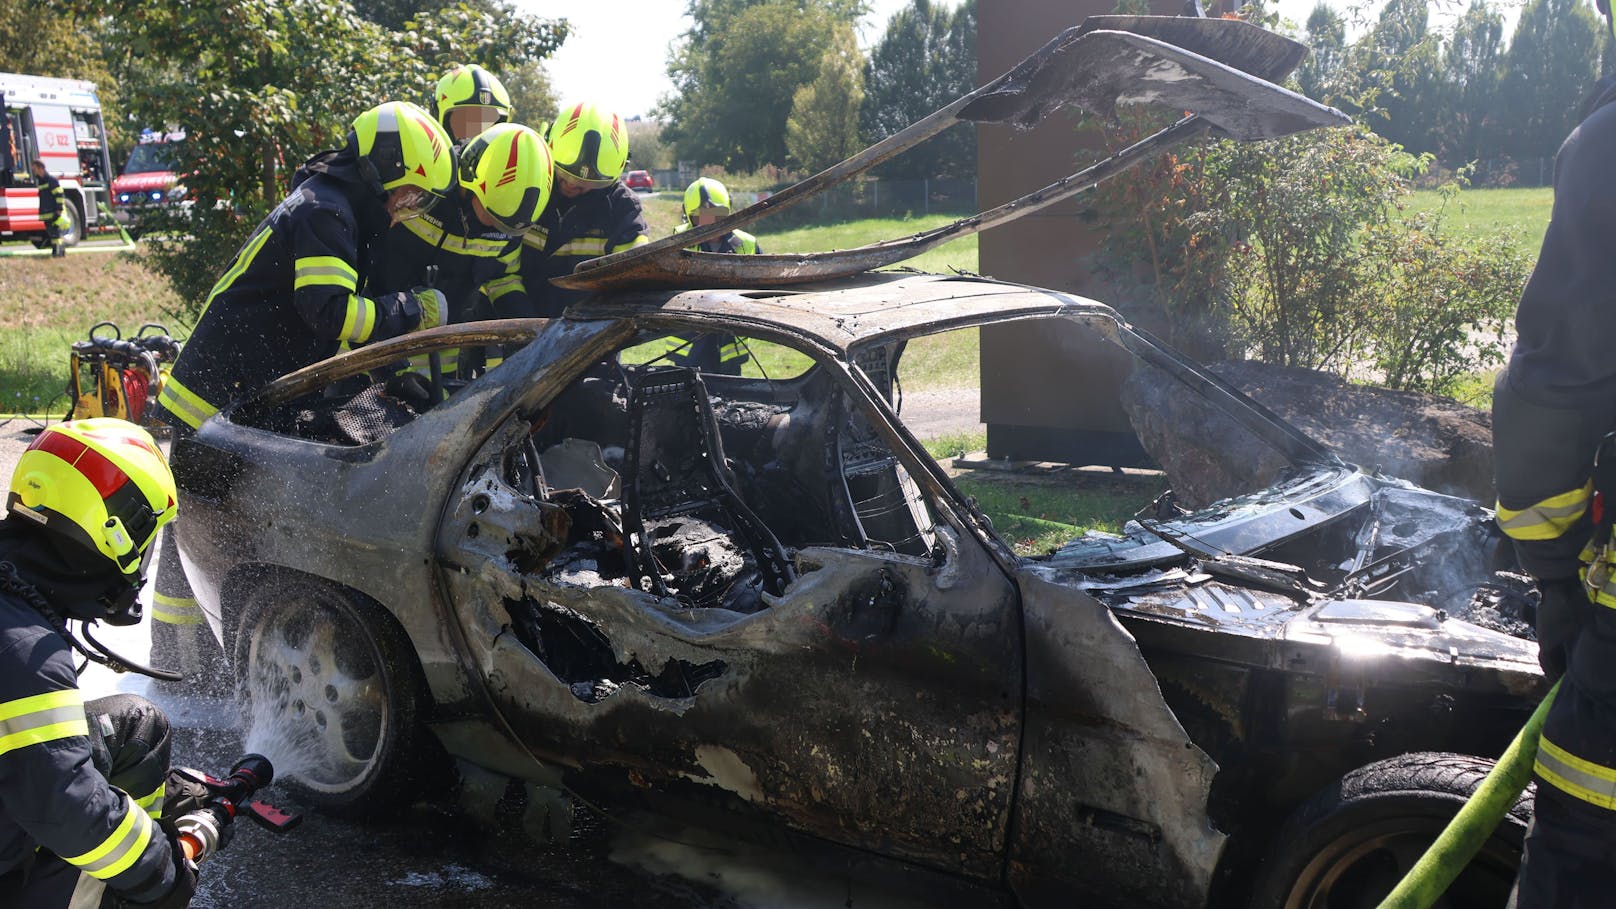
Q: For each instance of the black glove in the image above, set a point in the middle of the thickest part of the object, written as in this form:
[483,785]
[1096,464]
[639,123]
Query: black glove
[184,791]
[1562,612]
[412,389]
[184,887]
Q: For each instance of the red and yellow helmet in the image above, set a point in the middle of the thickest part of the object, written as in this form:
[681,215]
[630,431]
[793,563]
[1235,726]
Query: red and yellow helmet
[589,145]
[101,485]
[507,170]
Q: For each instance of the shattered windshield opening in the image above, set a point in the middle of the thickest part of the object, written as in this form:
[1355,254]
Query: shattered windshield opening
[1108,439]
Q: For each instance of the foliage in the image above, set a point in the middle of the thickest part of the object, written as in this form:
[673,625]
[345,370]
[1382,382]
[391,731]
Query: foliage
[1549,66]
[823,126]
[1319,76]
[1470,73]
[1444,304]
[925,59]
[736,71]
[533,95]
[250,81]
[646,149]
[1393,74]
[42,39]
[1296,251]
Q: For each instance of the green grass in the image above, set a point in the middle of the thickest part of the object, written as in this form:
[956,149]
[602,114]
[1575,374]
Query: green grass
[46,304]
[1521,213]
[956,254]
[1037,517]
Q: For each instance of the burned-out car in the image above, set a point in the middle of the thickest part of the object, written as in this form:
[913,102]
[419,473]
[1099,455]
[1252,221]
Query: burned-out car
[758,597]
[610,566]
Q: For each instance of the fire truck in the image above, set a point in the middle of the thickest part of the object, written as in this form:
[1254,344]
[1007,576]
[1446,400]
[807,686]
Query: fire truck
[59,122]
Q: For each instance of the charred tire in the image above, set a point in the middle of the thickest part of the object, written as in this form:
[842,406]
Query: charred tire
[1350,844]
[331,691]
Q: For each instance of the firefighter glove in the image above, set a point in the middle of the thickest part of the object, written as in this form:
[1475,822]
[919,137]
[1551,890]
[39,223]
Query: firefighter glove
[1562,613]
[184,882]
[434,308]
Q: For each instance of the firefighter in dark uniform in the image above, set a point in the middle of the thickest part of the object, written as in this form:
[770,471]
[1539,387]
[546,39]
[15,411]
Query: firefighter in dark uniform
[591,213]
[52,209]
[82,784]
[294,292]
[470,246]
[707,201]
[1552,406]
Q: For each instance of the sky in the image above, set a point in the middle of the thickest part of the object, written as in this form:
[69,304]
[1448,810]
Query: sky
[617,54]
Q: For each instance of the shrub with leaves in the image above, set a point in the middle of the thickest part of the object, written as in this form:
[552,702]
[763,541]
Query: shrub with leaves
[1297,251]
[260,85]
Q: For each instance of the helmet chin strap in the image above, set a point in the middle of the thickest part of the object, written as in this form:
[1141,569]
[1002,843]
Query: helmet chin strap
[97,652]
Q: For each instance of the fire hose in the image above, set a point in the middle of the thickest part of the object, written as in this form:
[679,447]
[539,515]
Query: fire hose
[1459,842]
[204,831]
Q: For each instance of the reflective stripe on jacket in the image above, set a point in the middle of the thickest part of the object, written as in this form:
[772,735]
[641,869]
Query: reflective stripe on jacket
[51,795]
[294,292]
[572,231]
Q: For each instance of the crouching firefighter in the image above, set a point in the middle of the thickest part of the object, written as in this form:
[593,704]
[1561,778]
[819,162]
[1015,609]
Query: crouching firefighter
[82,784]
[295,292]
[1556,483]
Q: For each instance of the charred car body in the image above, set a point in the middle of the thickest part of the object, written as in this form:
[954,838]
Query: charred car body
[756,600]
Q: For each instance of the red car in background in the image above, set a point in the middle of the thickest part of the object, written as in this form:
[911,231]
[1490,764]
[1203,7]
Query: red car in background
[639,180]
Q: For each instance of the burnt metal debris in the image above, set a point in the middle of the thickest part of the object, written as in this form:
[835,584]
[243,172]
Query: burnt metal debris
[755,601]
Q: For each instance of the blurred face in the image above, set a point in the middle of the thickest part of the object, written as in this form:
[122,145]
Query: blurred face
[708,214]
[570,186]
[466,122]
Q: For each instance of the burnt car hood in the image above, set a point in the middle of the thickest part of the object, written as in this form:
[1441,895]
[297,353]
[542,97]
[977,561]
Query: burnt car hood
[1213,571]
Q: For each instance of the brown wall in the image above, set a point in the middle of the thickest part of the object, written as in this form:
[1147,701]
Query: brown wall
[1027,418]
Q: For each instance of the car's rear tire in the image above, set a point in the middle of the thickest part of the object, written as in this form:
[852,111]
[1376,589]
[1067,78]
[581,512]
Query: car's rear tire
[1350,844]
[331,690]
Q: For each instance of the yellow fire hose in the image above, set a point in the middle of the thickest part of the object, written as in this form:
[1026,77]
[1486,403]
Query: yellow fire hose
[1463,837]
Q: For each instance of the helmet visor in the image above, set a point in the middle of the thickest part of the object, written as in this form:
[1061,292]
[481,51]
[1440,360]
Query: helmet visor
[512,226]
[564,175]
[408,202]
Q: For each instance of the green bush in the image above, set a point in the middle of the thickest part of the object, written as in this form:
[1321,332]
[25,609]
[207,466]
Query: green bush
[1297,251]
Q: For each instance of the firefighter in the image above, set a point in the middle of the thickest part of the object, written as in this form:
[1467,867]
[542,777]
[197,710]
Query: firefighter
[82,784]
[1552,406]
[470,247]
[52,209]
[707,201]
[294,292]
[591,213]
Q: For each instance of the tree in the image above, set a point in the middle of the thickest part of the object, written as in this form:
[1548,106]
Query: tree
[42,39]
[1471,70]
[1552,61]
[1319,76]
[736,72]
[925,59]
[533,95]
[823,126]
[254,85]
[1395,65]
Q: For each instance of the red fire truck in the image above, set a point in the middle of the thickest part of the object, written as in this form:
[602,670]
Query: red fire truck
[59,122]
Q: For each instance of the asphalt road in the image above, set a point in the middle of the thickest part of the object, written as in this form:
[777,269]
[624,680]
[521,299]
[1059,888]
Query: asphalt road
[433,855]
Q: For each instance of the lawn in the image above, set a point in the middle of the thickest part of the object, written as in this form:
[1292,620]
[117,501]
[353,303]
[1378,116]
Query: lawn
[1521,213]
[46,304]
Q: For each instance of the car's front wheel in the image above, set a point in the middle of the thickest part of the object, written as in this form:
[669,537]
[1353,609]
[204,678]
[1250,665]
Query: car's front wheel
[331,690]
[1350,844]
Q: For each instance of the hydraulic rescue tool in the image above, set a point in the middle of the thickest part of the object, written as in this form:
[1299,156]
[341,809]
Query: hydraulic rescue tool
[205,829]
